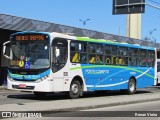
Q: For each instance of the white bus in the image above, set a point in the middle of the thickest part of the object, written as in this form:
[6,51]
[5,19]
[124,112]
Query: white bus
[44,62]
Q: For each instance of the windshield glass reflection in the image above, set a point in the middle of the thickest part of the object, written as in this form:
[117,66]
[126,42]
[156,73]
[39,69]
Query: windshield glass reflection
[34,55]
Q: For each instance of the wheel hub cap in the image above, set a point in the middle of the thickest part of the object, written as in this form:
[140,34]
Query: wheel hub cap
[74,88]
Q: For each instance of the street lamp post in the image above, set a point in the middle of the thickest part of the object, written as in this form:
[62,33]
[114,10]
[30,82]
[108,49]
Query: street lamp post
[150,33]
[84,21]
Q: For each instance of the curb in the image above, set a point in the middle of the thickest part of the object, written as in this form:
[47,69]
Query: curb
[54,112]
[100,106]
[73,108]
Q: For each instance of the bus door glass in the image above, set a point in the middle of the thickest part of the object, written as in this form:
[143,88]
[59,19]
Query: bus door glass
[59,54]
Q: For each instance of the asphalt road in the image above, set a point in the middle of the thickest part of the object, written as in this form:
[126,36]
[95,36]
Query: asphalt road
[138,111]
[114,112]
[11,97]
[147,109]
[20,98]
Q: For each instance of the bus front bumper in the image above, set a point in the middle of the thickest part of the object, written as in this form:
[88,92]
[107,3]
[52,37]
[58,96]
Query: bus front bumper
[42,86]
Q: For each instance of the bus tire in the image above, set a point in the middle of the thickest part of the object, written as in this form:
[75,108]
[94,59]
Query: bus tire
[131,86]
[40,94]
[75,89]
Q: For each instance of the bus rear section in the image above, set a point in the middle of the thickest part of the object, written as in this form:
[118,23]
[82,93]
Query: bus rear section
[113,66]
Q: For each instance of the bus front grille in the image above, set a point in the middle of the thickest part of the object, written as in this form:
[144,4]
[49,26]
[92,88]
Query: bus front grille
[27,87]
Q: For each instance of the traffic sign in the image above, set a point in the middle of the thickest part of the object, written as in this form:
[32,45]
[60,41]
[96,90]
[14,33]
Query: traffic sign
[128,6]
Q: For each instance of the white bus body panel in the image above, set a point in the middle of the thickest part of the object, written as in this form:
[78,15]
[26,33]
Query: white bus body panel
[43,86]
[56,82]
[64,77]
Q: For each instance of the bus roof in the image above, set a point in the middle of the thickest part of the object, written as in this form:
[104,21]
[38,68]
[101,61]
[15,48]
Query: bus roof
[24,32]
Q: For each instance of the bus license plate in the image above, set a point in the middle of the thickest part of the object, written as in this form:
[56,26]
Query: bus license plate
[22,86]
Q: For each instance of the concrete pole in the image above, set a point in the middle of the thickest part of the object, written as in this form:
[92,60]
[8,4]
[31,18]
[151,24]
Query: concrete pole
[133,27]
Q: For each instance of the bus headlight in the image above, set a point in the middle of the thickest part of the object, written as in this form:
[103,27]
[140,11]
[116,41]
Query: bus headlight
[9,78]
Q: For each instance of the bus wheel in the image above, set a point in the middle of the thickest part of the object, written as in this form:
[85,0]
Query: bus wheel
[75,89]
[131,86]
[40,94]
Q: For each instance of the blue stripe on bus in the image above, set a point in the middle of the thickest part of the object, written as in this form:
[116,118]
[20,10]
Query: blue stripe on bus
[108,77]
[28,77]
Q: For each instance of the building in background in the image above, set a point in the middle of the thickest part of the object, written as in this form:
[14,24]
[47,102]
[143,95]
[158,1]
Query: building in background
[11,24]
[133,27]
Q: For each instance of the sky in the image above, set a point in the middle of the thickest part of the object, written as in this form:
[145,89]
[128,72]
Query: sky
[69,12]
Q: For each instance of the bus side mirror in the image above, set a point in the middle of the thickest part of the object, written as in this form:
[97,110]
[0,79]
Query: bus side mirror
[6,49]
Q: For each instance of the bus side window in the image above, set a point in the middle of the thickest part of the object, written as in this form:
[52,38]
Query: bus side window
[99,59]
[133,59]
[99,49]
[114,60]
[114,55]
[107,51]
[114,51]
[151,59]
[74,55]
[120,61]
[108,60]
[91,48]
[83,52]
[92,60]
[124,61]
[83,58]
[123,56]
[78,52]
[75,58]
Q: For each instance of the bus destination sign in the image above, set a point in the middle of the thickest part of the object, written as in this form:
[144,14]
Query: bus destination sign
[31,37]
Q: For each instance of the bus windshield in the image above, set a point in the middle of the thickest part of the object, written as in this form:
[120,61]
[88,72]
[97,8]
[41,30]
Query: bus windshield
[29,55]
